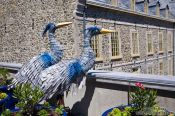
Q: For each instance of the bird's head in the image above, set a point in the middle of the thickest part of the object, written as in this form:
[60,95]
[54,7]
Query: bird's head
[95,30]
[51,27]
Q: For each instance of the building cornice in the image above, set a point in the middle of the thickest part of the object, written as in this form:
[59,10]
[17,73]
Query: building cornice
[114,8]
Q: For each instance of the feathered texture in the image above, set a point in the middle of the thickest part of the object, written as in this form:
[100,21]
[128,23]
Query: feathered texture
[31,70]
[58,78]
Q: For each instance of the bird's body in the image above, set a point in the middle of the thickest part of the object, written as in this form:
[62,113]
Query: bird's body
[58,78]
[54,76]
[30,71]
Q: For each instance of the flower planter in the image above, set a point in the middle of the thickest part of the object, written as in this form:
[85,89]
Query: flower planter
[143,103]
[110,110]
[9,101]
[135,113]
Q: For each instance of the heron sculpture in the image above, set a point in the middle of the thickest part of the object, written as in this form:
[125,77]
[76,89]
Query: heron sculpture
[30,71]
[57,78]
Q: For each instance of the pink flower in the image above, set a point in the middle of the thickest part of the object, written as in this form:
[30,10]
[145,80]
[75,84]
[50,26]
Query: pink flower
[140,85]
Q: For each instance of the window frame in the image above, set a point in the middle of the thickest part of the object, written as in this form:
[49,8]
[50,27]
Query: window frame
[133,7]
[114,2]
[160,51]
[170,41]
[119,45]
[147,47]
[99,47]
[170,64]
[131,45]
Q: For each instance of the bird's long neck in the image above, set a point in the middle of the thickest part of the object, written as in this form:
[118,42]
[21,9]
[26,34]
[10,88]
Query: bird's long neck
[87,58]
[55,47]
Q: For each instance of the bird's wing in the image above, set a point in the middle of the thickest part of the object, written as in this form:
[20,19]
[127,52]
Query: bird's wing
[30,71]
[57,78]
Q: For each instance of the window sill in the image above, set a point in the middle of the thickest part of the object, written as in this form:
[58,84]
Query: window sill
[135,55]
[170,51]
[98,60]
[113,58]
[150,54]
[160,52]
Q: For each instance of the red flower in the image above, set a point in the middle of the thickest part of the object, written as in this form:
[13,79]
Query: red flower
[140,85]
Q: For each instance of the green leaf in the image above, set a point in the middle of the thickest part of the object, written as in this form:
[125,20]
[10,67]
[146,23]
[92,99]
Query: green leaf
[28,97]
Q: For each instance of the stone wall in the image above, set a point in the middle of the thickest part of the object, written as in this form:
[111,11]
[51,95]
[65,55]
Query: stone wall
[22,21]
[110,19]
[126,48]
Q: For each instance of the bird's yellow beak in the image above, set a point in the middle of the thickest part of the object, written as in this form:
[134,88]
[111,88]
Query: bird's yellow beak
[104,31]
[59,25]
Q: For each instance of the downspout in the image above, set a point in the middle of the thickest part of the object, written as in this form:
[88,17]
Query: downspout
[173,49]
[84,19]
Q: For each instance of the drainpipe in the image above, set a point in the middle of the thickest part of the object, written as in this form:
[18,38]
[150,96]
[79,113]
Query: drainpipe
[173,49]
[84,18]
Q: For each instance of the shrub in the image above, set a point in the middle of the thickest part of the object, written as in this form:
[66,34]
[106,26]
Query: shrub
[28,97]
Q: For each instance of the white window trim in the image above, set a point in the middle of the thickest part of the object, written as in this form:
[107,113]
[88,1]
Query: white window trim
[114,2]
[131,45]
[134,5]
[110,44]
[149,53]
[98,59]
[170,49]
[162,42]
[170,59]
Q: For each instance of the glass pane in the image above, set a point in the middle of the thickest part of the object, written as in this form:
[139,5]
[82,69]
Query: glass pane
[115,44]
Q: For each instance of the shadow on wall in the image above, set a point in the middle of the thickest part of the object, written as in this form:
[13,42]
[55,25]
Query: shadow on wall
[81,108]
[84,104]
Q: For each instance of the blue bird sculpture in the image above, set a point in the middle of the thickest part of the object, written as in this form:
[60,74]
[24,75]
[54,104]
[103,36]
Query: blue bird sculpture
[30,71]
[57,78]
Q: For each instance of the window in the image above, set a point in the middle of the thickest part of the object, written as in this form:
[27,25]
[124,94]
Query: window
[161,68]
[146,6]
[170,66]
[114,2]
[160,42]
[133,5]
[134,43]
[95,45]
[115,45]
[149,43]
[170,41]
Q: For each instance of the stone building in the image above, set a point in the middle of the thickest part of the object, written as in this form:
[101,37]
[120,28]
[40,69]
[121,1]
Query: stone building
[143,41]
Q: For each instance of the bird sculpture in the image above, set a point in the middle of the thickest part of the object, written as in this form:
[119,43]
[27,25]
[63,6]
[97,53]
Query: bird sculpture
[30,71]
[57,78]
